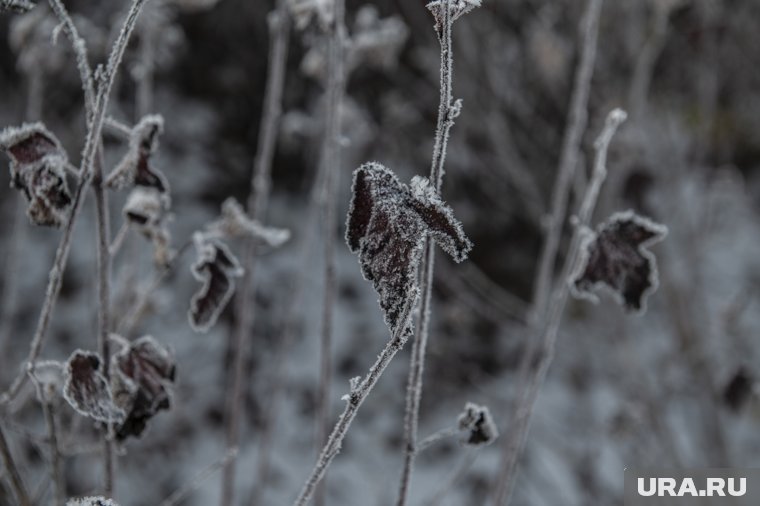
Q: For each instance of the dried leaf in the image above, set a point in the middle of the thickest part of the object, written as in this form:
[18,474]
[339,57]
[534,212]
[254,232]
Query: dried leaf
[141,377]
[387,226]
[216,267]
[616,258]
[145,210]
[135,168]
[87,390]
[234,222]
[458,8]
[38,169]
[477,422]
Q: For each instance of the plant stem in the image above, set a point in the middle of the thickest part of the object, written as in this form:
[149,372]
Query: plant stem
[180,494]
[15,478]
[354,400]
[446,116]
[258,200]
[547,339]
[331,160]
[92,145]
[55,454]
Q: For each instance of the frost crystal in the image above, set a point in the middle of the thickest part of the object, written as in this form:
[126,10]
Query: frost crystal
[91,501]
[616,258]
[38,169]
[142,374]
[135,168]
[216,267]
[477,422]
[87,390]
[387,226]
[458,9]
[236,223]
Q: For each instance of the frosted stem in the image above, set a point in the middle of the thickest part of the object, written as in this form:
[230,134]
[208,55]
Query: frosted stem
[419,345]
[258,199]
[547,339]
[354,400]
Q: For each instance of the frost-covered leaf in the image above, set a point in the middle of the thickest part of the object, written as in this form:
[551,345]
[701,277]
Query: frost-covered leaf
[135,168]
[739,389]
[19,6]
[234,222]
[91,501]
[216,267]
[387,226]
[458,8]
[87,390]
[476,421]
[616,258]
[38,169]
[145,210]
[48,380]
[141,377]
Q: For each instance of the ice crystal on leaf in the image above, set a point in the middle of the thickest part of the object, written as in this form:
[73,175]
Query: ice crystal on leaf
[135,167]
[91,501]
[38,169]
[458,8]
[141,377]
[234,222]
[387,226]
[87,390]
[476,421]
[615,257]
[216,267]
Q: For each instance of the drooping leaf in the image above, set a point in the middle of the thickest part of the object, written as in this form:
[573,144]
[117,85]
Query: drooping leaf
[38,169]
[145,210]
[234,222]
[616,258]
[387,226]
[216,267]
[135,167]
[87,390]
[141,377]
[480,428]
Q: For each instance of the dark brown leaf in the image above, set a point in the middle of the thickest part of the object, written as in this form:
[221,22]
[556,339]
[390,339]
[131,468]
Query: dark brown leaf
[216,267]
[142,374]
[616,258]
[87,390]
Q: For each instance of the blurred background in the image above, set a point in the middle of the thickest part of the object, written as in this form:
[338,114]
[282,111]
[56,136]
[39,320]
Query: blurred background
[672,388]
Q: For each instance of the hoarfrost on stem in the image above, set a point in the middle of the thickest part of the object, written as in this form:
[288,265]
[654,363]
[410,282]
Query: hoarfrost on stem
[91,501]
[615,257]
[387,226]
[458,8]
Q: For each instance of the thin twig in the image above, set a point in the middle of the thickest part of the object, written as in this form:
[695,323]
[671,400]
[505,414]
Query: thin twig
[435,437]
[354,400]
[16,482]
[331,169]
[92,144]
[181,494]
[547,339]
[51,422]
[446,115]
[258,200]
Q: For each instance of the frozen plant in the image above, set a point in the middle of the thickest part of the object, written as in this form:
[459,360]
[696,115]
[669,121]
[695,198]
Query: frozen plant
[86,388]
[91,501]
[478,425]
